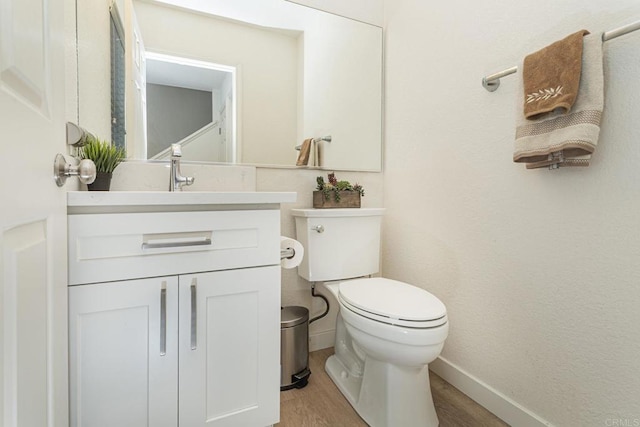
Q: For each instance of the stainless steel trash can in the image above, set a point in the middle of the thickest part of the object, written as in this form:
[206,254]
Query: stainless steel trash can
[294,347]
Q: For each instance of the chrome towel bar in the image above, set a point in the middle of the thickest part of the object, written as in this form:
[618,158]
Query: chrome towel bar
[492,82]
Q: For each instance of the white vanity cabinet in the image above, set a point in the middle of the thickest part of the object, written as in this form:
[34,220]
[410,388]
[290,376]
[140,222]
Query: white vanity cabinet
[227,339]
[118,374]
[174,314]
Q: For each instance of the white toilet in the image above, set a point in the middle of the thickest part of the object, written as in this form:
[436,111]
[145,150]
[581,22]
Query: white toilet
[387,332]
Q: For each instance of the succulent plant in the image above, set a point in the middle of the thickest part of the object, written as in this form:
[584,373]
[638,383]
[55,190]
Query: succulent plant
[334,186]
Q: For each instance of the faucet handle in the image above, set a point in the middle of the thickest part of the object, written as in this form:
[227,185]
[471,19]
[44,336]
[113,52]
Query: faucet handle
[176,150]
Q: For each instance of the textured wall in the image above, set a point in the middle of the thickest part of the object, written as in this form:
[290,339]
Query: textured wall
[539,269]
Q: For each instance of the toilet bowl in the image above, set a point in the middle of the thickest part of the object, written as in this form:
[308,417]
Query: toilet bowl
[387,332]
[380,365]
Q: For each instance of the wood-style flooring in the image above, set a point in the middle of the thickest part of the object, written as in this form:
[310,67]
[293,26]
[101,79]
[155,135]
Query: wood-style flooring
[321,404]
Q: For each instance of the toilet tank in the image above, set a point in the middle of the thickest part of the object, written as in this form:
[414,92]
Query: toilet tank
[338,243]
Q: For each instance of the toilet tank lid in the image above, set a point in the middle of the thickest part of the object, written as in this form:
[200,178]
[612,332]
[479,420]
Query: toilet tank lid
[337,212]
[393,299]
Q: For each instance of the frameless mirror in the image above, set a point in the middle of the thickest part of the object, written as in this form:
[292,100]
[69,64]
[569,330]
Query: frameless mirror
[240,81]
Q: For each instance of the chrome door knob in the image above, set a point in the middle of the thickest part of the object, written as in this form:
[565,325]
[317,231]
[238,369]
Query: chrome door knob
[85,170]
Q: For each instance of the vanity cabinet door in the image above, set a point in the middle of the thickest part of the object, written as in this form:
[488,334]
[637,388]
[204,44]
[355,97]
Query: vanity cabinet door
[123,353]
[230,348]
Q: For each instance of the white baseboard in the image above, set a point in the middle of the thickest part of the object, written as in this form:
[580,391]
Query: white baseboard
[499,404]
[320,340]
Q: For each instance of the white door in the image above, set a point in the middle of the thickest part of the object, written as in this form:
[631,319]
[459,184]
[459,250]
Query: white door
[229,373]
[33,262]
[123,353]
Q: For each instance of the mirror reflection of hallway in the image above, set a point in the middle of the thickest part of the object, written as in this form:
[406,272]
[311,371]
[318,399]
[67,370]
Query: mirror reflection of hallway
[191,103]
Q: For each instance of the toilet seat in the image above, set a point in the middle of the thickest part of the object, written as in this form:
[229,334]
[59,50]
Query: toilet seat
[392,302]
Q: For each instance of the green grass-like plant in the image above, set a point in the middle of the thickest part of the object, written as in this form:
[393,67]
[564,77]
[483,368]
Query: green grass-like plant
[105,155]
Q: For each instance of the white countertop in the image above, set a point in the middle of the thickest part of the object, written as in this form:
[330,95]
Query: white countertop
[78,201]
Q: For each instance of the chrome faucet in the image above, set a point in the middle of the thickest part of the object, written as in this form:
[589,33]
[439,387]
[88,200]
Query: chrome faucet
[176,180]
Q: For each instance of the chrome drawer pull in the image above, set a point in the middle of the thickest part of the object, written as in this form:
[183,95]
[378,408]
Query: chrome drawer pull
[176,240]
[205,242]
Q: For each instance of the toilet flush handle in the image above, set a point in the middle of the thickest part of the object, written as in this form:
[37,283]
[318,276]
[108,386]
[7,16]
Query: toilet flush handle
[318,228]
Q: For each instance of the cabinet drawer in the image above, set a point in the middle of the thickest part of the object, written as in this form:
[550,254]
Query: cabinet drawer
[108,247]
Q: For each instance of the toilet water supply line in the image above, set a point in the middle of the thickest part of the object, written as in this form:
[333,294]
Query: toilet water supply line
[326,310]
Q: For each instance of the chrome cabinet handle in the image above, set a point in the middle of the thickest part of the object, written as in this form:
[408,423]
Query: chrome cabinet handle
[318,228]
[205,242]
[163,319]
[194,315]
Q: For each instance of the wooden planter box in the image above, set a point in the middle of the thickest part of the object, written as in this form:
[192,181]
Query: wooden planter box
[348,199]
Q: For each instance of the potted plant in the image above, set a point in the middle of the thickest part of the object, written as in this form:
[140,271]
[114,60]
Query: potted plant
[336,194]
[106,157]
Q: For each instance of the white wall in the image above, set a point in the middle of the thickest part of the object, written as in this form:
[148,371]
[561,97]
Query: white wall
[539,269]
[71,62]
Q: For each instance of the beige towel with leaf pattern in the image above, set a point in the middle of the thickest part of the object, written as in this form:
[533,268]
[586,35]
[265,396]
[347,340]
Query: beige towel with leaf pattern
[561,139]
